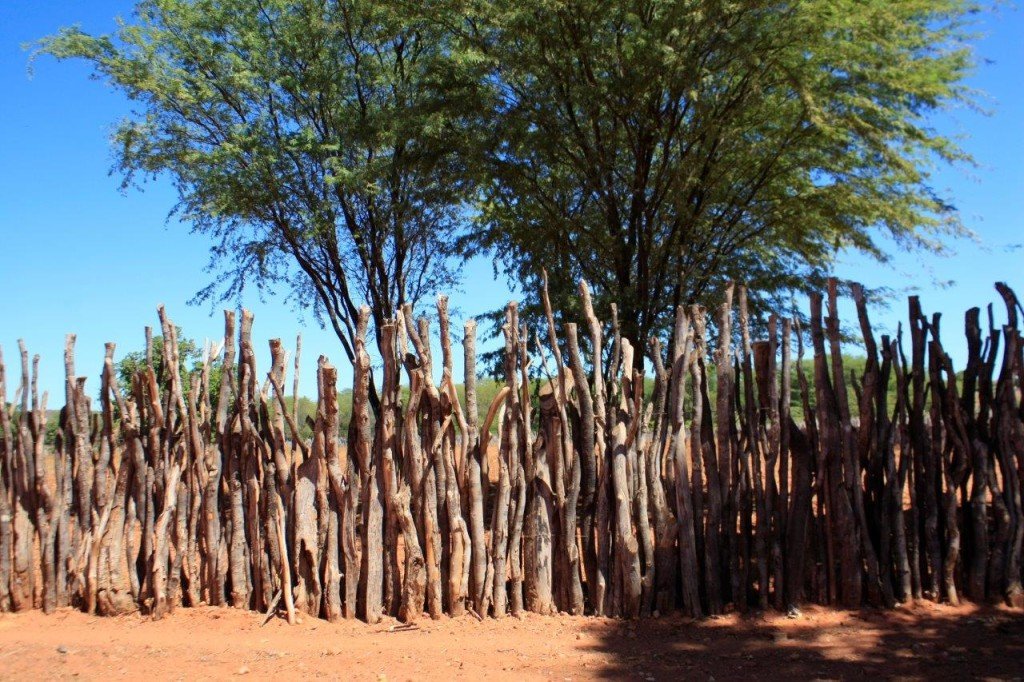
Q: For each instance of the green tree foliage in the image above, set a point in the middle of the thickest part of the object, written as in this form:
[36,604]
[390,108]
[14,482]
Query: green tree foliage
[658,148]
[337,148]
[190,366]
[318,141]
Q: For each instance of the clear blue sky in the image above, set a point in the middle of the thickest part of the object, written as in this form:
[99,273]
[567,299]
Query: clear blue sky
[77,255]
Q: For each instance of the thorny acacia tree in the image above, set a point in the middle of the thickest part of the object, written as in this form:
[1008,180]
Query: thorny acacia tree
[318,141]
[654,148]
[657,148]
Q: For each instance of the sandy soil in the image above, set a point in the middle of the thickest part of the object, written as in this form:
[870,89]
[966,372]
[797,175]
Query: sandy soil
[924,642]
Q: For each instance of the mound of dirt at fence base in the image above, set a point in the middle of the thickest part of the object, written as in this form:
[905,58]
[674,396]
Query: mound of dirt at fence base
[925,641]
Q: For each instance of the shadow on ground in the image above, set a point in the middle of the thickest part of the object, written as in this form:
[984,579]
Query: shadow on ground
[923,642]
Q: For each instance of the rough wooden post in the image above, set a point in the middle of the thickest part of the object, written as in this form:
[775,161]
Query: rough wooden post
[688,566]
[114,595]
[517,449]
[862,444]
[626,546]
[665,526]
[1009,433]
[476,484]
[842,528]
[597,576]
[216,455]
[802,446]
[977,565]
[752,455]
[703,446]
[593,456]
[23,572]
[725,419]
[371,576]
[6,512]
[459,545]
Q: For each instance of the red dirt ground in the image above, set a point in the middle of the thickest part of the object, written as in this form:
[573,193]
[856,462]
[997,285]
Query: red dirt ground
[921,642]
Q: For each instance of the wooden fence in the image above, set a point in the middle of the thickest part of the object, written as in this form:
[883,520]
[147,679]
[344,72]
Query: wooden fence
[601,500]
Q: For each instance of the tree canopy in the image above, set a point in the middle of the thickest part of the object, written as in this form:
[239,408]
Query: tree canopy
[318,142]
[352,149]
[659,148]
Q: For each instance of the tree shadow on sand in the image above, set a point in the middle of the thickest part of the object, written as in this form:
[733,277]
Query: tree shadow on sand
[925,642]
